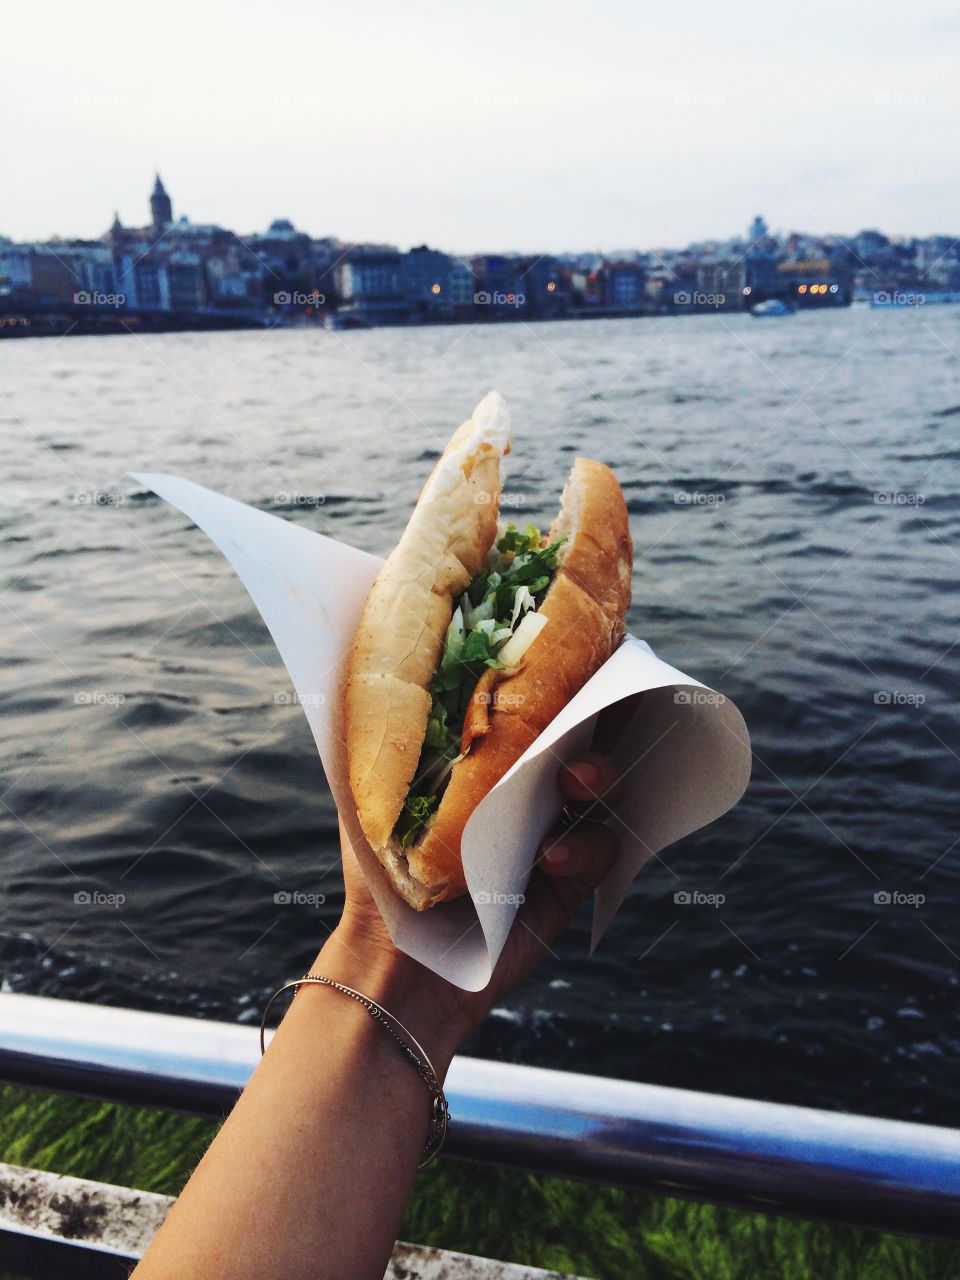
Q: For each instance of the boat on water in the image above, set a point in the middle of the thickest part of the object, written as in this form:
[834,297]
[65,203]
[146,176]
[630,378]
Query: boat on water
[771,307]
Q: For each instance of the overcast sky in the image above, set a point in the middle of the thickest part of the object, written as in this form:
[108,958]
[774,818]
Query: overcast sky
[508,124]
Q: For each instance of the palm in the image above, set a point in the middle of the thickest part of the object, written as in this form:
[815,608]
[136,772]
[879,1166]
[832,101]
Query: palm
[552,896]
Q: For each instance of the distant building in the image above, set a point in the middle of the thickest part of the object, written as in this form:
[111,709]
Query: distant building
[721,284]
[53,281]
[463,285]
[544,288]
[815,282]
[15,271]
[161,208]
[426,277]
[143,282]
[758,230]
[186,281]
[624,286]
[587,282]
[370,285]
[499,286]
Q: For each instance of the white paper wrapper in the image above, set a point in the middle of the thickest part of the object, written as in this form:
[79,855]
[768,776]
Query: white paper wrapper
[685,753]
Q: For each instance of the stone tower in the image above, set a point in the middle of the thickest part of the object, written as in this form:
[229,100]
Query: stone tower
[161,210]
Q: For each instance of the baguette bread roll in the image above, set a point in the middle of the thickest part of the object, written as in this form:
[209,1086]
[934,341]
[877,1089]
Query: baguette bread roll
[400,639]
[401,632]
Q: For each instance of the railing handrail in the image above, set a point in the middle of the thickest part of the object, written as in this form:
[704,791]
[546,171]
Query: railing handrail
[889,1174]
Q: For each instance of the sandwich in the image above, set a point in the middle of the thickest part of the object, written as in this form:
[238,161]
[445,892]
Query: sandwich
[473,638]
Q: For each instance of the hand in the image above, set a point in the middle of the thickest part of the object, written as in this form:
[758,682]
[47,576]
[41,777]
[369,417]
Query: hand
[571,862]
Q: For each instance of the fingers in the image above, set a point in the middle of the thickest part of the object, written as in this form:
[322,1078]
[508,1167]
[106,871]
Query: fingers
[584,852]
[590,782]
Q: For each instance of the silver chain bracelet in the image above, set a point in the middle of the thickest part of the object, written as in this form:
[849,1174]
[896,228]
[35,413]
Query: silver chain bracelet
[439,1111]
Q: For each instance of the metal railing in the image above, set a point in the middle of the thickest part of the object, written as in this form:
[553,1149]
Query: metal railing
[885,1174]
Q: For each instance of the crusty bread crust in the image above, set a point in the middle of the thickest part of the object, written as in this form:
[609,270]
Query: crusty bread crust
[400,636]
[586,607]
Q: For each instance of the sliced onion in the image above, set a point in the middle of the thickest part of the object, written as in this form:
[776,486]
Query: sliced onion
[531,624]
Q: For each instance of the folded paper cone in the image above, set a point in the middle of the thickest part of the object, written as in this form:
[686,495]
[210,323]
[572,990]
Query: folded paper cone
[685,753]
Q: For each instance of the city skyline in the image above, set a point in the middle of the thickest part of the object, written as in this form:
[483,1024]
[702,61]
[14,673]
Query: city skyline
[170,272]
[533,129]
[758,228]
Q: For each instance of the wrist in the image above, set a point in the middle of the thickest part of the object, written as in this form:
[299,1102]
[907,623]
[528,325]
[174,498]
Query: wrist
[427,1005]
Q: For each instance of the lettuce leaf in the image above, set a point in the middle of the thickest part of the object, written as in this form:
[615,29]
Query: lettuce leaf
[487,614]
[515,541]
[417,812]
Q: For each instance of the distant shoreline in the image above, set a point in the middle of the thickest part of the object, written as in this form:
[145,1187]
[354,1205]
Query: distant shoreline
[60,324]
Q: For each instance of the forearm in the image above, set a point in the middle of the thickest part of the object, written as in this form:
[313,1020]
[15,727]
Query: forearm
[310,1174]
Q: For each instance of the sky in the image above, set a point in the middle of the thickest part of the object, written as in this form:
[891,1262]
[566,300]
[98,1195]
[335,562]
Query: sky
[508,125]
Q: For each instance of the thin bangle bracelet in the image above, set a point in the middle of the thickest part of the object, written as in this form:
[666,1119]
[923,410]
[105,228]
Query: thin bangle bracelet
[439,1111]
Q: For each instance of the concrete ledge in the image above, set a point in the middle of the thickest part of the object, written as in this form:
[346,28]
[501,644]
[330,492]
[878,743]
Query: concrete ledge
[52,1225]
